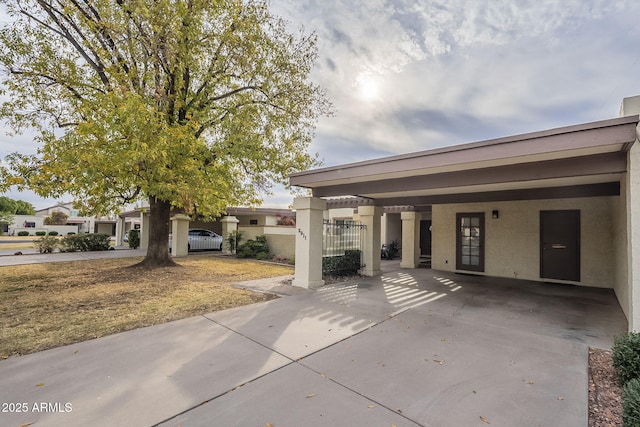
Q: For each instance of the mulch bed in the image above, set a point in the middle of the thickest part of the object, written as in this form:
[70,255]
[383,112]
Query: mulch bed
[605,393]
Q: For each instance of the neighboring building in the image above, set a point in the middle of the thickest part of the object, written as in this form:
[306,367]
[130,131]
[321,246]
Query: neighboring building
[251,222]
[75,222]
[560,205]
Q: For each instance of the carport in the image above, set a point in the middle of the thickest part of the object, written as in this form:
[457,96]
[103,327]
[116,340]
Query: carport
[558,205]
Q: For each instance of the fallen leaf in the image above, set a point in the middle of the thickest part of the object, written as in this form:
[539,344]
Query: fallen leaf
[438,361]
[561,398]
[25,425]
[39,384]
[75,351]
[311,395]
[398,410]
[371,406]
[323,375]
[484,420]
[269,425]
[530,382]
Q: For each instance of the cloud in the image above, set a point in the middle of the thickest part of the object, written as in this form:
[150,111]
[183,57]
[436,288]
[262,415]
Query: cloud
[409,75]
[457,71]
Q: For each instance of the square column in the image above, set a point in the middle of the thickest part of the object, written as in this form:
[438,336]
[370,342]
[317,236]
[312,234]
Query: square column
[633,235]
[119,231]
[180,235]
[144,230]
[370,216]
[309,215]
[410,239]
[229,225]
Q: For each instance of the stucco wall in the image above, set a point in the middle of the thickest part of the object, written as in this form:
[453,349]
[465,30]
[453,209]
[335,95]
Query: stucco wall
[512,242]
[620,242]
[105,229]
[281,239]
[393,228]
[632,187]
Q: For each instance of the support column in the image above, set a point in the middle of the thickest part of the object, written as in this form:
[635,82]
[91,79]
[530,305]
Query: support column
[633,235]
[180,235]
[370,216]
[119,231]
[309,214]
[410,239]
[144,230]
[229,225]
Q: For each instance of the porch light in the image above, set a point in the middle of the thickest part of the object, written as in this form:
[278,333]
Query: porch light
[495,214]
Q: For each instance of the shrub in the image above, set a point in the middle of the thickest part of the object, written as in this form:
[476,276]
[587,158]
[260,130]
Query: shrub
[133,239]
[71,233]
[41,233]
[285,220]
[258,248]
[46,244]
[233,240]
[53,233]
[23,233]
[342,265]
[631,403]
[85,242]
[626,356]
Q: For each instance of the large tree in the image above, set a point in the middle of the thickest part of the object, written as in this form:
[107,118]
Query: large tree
[190,104]
[16,207]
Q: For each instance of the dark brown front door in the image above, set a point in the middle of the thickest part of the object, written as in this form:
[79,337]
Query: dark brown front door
[560,245]
[425,238]
[470,241]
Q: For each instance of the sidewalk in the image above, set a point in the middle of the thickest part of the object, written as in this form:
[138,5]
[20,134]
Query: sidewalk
[31,256]
[408,348]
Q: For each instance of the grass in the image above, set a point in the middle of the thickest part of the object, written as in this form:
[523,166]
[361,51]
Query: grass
[48,305]
[13,243]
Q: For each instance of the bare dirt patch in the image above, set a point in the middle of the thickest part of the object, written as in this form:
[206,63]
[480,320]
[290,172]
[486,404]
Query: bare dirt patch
[48,305]
[605,393]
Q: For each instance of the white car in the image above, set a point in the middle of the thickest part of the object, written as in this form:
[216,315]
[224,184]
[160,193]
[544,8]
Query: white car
[200,239]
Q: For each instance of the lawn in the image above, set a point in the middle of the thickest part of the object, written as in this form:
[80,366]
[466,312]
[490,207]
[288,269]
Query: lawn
[48,305]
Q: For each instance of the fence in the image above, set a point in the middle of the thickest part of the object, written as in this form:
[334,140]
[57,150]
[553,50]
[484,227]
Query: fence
[342,243]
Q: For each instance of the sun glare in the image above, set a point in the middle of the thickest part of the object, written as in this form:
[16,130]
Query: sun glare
[367,86]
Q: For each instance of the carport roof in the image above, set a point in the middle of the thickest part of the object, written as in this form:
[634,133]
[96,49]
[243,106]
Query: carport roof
[575,161]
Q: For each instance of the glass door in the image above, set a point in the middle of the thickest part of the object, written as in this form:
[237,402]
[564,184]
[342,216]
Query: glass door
[470,241]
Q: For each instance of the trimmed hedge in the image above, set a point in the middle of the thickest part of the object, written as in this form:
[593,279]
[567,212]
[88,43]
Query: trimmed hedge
[41,233]
[626,356]
[133,239]
[258,249]
[85,242]
[23,233]
[631,403]
[53,233]
[342,265]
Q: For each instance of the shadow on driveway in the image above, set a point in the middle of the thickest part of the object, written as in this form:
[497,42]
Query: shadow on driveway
[410,347]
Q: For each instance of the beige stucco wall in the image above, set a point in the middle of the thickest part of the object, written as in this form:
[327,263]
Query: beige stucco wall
[632,192]
[104,229]
[512,242]
[392,229]
[620,242]
[281,239]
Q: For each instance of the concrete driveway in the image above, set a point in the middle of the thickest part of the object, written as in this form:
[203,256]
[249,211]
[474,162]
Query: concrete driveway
[412,347]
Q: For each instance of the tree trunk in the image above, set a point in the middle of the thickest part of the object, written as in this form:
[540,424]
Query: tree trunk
[159,229]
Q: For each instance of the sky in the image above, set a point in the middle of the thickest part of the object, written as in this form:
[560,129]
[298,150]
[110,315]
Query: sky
[411,75]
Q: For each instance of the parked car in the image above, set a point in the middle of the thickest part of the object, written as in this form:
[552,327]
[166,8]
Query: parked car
[200,239]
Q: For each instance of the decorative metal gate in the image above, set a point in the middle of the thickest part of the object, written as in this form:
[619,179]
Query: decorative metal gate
[342,244]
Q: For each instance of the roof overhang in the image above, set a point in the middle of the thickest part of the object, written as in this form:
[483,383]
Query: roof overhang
[583,160]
